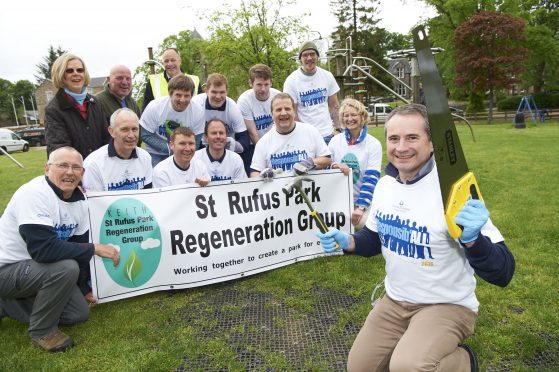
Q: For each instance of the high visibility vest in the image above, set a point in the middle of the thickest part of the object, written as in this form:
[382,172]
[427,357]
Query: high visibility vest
[159,84]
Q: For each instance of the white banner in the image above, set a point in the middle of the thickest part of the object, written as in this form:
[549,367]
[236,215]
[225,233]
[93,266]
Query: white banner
[188,236]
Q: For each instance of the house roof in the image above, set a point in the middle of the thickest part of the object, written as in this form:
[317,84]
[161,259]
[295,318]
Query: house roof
[393,64]
[97,81]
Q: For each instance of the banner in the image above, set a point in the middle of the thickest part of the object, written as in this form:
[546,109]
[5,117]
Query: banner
[188,236]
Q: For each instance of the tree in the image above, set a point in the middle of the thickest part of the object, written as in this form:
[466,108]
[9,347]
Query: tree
[253,33]
[357,22]
[6,110]
[490,52]
[542,32]
[452,13]
[23,89]
[44,68]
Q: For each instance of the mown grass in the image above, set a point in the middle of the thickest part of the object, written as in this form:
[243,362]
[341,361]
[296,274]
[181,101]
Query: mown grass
[517,327]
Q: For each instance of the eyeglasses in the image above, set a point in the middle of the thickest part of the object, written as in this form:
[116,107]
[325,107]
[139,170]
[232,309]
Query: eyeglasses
[79,70]
[308,55]
[66,167]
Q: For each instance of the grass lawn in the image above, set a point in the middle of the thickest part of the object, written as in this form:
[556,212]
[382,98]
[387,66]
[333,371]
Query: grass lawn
[305,316]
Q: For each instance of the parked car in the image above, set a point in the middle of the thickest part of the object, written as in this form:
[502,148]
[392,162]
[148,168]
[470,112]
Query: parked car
[378,110]
[35,136]
[10,142]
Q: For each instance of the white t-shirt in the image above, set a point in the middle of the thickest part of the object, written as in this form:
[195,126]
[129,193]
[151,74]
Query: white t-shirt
[311,93]
[166,173]
[424,264]
[258,111]
[231,167]
[160,118]
[276,150]
[36,203]
[230,114]
[361,157]
[110,173]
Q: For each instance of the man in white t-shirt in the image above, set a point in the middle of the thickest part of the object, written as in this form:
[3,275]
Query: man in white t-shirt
[216,104]
[44,252]
[289,145]
[315,92]
[430,306]
[120,165]
[221,163]
[165,114]
[255,103]
[182,167]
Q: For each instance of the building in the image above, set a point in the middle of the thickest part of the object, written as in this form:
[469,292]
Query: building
[401,68]
[46,91]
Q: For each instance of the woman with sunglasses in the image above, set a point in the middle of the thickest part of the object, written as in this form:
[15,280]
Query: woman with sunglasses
[73,117]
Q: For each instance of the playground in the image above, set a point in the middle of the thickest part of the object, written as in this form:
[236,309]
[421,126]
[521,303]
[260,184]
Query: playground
[305,316]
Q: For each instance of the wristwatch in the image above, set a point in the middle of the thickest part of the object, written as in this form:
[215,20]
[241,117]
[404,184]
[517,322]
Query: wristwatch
[339,130]
[362,208]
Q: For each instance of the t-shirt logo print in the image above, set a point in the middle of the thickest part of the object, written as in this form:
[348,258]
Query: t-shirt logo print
[403,237]
[313,97]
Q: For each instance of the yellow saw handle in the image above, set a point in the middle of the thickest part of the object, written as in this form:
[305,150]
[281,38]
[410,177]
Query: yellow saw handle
[462,190]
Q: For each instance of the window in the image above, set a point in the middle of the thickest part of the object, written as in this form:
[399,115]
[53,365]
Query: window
[49,95]
[401,90]
[400,73]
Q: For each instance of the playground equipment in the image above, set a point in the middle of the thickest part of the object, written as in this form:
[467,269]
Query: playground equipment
[528,102]
[362,66]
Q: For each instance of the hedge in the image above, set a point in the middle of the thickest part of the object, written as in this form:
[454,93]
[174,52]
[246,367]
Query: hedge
[542,100]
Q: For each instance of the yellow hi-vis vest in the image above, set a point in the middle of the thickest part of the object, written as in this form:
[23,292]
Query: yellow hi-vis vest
[159,84]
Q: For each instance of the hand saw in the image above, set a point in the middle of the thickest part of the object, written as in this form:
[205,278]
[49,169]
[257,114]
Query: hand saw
[457,183]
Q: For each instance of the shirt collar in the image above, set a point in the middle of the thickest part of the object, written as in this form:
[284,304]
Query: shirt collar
[391,171]
[112,151]
[212,159]
[182,169]
[77,195]
[209,107]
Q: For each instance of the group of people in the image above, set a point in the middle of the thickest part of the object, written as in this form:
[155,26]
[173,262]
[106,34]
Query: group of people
[198,137]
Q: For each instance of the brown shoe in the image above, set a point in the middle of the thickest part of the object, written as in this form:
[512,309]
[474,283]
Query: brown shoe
[55,341]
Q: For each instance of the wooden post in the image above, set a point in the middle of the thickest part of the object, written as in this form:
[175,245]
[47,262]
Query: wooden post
[150,57]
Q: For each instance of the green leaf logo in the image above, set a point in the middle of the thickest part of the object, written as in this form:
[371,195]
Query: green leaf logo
[133,266]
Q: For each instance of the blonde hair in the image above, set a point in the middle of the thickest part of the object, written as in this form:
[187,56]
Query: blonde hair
[360,107]
[59,69]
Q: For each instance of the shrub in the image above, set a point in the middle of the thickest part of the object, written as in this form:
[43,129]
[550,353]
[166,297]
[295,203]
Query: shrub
[542,100]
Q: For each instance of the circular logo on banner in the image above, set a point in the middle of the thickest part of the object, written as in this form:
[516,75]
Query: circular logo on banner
[131,227]
[351,161]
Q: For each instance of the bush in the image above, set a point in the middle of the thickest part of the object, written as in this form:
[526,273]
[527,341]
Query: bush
[475,103]
[542,100]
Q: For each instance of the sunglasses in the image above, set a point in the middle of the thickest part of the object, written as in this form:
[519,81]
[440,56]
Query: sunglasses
[79,70]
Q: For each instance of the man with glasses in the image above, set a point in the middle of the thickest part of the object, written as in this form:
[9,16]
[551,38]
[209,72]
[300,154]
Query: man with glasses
[44,252]
[120,165]
[314,91]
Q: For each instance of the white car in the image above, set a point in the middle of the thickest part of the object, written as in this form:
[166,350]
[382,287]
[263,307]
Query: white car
[10,142]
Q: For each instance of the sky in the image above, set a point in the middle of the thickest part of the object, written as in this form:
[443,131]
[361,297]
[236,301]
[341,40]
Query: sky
[105,33]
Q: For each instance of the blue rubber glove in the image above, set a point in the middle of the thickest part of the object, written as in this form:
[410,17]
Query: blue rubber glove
[267,174]
[304,166]
[329,239]
[233,145]
[471,217]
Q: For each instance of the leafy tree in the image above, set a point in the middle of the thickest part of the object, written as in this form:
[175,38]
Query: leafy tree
[490,52]
[25,89]
[253,33]
[450,14]
[356,20]
[6,110]
[44,67]
[542,32]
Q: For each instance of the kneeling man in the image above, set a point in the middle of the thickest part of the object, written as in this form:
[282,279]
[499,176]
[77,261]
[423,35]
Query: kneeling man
[44,252]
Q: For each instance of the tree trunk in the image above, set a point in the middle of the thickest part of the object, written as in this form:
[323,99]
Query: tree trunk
[490,115]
